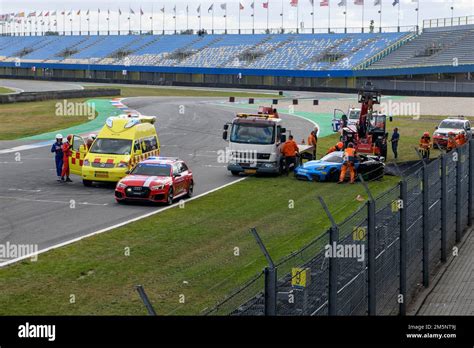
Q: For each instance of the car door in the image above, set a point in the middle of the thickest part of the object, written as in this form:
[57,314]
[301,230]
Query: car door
[185,174]
[179,179]
[79,152]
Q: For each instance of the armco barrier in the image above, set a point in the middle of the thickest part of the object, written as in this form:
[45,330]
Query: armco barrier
[54,95]
[405,233]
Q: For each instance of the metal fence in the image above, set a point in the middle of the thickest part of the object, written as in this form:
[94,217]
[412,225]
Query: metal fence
[390,248]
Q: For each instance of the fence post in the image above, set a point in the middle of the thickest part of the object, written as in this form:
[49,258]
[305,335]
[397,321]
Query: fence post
[403,246]
[146,301]
[426,230]
[270,290]
[471,181]
[458,196]
[444,208]
[270,273]
[333,261]
[371,256]
[372,304]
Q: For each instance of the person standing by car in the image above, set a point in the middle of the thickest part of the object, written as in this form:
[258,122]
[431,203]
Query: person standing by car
[452,144]
[67,153]
[394,141]
[290,151]
[338,147]
[349,163]
[313,141]
[58,151]
[425,145]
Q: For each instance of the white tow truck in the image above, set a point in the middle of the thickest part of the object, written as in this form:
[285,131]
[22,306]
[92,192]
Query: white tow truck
[255,144]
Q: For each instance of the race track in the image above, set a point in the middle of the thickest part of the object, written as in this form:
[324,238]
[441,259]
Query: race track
[35,209]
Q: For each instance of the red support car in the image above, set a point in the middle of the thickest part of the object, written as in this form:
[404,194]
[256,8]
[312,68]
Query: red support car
[157,179]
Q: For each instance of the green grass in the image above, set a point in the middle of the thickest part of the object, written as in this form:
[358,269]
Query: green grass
[4,90]
[194,244]
[26,119]
[180,92]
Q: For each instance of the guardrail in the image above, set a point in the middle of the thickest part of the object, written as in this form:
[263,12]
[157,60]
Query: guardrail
[53,95]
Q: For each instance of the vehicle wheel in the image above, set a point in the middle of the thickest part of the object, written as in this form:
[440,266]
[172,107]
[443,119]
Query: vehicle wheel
[190,190]
[87,183]
[120,201]
[235,173]
[169,199]
[333,176]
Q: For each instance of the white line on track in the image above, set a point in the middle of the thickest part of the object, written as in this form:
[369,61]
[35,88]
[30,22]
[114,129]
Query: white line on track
[49,201]
[23,190]
[116,226]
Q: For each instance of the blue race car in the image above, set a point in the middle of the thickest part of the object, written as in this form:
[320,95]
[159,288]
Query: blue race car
[329,167]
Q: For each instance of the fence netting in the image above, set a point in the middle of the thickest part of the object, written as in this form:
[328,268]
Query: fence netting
[304,279]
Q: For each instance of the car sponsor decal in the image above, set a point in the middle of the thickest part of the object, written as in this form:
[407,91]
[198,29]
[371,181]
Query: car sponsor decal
[149,181]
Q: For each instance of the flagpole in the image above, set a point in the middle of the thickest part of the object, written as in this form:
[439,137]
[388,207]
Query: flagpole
[345,18]
[151,18]
[98,21]
[108,21]
[282,17]
[313,17]
[212,18]
[329,16]
[164,11]
[418,16]
[200,17]
[380,15]
[175,19]
[253,18]
[226,18]
[187,17]
[239,16]
[398,25]
[119,14]
[363,13]
[141,20]
[129,21]
[297,17]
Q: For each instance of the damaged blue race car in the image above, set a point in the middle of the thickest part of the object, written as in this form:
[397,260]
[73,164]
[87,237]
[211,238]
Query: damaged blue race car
[329,167]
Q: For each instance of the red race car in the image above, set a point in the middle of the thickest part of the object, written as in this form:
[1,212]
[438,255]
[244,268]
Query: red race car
[157,179]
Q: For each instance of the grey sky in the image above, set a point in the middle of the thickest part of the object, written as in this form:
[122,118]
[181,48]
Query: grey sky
[428,9]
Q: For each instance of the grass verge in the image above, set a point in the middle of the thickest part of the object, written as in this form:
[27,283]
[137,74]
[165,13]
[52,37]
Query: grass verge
[4,90]
[188,251]
[26,119]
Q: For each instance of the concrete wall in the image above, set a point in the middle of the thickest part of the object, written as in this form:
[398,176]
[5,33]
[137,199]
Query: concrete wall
[39,96]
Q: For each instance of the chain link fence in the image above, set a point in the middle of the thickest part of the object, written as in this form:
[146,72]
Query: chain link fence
[375,261]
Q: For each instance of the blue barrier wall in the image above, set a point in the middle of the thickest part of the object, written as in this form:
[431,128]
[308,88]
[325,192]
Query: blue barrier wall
[253,72]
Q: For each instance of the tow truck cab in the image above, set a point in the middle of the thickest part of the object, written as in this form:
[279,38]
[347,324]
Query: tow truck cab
[121,144]
[254,143]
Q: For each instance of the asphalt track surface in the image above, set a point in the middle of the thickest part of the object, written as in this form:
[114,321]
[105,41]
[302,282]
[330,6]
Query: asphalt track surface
[38,86]
[35,209]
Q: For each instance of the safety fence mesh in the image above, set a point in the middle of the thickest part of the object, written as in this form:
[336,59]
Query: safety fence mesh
[349,287]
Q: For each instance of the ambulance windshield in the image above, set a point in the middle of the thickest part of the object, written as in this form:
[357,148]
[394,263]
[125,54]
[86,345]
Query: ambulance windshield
[112,146]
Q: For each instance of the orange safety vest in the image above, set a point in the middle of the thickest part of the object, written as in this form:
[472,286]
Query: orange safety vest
[349,154]
[451,143]
[290,148]
[312,140]
[425,143]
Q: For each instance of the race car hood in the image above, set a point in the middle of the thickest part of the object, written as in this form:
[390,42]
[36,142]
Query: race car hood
[446,131]
[144,180]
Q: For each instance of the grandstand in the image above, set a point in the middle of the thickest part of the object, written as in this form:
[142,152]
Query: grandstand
[436,60]
[264,51]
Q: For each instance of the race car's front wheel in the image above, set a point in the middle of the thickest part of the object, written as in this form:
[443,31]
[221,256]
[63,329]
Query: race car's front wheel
[235,173]
[87,183]
[169,199]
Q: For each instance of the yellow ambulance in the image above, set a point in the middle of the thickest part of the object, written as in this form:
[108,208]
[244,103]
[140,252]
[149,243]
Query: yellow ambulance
[122,143]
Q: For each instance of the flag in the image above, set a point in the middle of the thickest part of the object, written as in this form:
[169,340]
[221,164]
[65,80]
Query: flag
[70,13]
[342,3]
[98,10]
[294,3]
[377,2]
[224,6]
[40,14]
[252,5]
[311,2]
[32,14]
[324,3]
[358,2]
[163,9]
[241,7]
[395,2]
[211,8]
[87,13]
[265,5]
[20,14]
[141,12]
[131,11]
[120,12]
[78,12]
[198,10]
[46,14]
[53,14]
[174,9]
